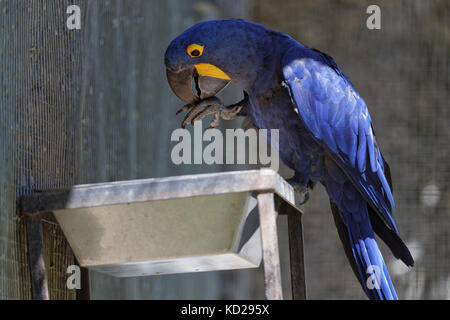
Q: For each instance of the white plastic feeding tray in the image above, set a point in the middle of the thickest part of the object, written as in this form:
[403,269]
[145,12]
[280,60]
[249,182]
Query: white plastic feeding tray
[164,225]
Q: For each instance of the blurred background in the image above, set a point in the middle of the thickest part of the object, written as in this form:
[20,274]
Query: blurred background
[93,105]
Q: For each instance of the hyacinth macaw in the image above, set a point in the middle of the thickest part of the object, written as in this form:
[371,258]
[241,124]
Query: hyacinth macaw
[325,130]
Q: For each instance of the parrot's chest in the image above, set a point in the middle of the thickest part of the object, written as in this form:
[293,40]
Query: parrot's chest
[297,147]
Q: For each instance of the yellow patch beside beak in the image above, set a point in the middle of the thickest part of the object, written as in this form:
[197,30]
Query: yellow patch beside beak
[209,70]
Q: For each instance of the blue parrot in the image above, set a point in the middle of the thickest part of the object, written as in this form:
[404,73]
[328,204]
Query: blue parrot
[325,130]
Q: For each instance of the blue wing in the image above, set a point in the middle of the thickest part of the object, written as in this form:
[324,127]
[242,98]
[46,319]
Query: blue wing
[338,119]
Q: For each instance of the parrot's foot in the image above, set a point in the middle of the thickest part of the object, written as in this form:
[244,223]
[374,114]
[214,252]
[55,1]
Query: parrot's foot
[300,188]
[206,107]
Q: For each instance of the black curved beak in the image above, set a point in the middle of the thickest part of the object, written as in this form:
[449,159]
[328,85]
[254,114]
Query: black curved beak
[181,84]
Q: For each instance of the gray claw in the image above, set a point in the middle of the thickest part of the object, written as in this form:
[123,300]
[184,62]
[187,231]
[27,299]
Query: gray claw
[185,108]
[305,199]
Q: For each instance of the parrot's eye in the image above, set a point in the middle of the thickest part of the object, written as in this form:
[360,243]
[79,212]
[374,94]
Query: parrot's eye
[195,50]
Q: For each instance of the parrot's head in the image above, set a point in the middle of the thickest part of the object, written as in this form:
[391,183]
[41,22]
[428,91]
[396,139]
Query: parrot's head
[205,58]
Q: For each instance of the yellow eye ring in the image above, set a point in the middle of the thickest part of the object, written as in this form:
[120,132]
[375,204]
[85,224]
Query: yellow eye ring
[195,50]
